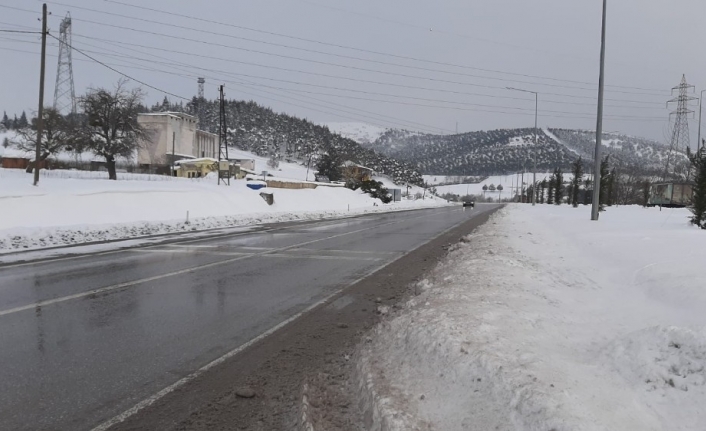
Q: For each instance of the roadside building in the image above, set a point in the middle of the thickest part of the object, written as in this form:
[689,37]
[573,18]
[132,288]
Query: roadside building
[671,194]
[173,136]
[195,168]
[354,171]
[248,164]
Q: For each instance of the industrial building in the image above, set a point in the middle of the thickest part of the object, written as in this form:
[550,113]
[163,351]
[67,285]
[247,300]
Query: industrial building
[173,136]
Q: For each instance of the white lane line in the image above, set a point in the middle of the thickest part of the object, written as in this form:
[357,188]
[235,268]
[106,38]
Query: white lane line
[194,252]
[188,270]
[181,382]
[319,257]
[206,237]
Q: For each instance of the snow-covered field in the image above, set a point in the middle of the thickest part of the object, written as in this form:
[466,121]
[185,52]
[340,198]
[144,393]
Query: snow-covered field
[509,183]
[544,320]
[73,207]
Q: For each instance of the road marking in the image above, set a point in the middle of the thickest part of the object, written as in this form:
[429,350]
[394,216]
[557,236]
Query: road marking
[208,235]
[181,382]
[314,256]
[192,269]
[212,253]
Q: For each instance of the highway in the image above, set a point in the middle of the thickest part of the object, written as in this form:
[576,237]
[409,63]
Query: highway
[87,338]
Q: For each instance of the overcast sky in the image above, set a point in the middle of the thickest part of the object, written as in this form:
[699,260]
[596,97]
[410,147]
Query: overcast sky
[420,65]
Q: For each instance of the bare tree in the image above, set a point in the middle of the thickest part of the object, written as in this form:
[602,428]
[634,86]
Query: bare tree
[111,129]
[57,133]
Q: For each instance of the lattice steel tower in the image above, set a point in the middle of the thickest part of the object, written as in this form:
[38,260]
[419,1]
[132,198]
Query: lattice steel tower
[201,82]
[64,94]
[680,130]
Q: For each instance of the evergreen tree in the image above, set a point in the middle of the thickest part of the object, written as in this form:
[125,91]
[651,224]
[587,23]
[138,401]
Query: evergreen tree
[605,184]
[577,171]
[329,165]
[646,185]
[14,123]
[543,188]
[5,121]
[551,189]
[558,187]
[698,206]
[5,142]
[23,123]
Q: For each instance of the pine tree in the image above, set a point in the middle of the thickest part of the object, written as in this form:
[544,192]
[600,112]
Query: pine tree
[14,123]
[5,142]
[559,187]
[646,185]
[605,184]
[5,121]
[329,165]
[23,123]
[543,188]
[551,189]
[577,171]
[698,206]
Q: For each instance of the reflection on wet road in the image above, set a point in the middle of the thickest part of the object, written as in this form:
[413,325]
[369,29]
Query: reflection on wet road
[87,338]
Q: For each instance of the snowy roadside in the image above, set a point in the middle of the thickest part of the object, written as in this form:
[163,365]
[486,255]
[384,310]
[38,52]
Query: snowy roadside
[69,210]
[544,320]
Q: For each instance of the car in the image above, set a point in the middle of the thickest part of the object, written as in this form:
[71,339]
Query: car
[471,204]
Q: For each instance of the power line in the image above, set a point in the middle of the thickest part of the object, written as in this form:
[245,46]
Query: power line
[358,80]
[172,62]
[494,87]
[355,79]
[20,31]
[119,72]
[309,60]
[577,115]
[386,54]
[172,25]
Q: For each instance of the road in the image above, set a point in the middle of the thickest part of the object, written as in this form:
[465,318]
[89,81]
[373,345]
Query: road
[87,338]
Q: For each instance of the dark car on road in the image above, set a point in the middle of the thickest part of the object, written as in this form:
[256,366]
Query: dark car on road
[471,204]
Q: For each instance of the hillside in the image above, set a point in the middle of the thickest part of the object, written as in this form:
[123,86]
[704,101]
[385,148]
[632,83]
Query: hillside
[475,153]
[627,150]
[258,129]
[498,152]
[362,133]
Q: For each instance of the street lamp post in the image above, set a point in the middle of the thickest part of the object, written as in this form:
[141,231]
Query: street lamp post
[595,205]
[701,100]
[536,112]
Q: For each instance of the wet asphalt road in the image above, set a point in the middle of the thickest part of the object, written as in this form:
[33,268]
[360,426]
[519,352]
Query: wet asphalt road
[84,339]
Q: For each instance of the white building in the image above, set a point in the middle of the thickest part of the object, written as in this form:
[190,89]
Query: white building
[173,136]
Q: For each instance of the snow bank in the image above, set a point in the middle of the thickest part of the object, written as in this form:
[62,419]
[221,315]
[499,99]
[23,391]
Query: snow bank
[545,320]
[72,207]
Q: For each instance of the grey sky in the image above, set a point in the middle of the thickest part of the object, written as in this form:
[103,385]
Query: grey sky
[651,43]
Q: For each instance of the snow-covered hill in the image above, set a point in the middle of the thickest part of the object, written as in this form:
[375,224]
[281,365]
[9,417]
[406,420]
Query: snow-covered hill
[362,133]
[504,151]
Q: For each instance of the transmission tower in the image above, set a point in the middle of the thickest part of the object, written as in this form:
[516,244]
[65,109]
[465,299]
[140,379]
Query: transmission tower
[223,173]
[201,82]
[680,130]
[64,94]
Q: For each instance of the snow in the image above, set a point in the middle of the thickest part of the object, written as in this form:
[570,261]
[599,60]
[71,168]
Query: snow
[509,182]
[360,132]
[73,207]
[542,319]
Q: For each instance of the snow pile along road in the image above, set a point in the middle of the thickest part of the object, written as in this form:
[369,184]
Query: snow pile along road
[64,210]
[544,320]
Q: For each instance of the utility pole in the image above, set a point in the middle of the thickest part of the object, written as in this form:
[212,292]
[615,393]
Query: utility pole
[40,111]
[698,142]
[223,174]
[534,153]
[595,205]
[173,153]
